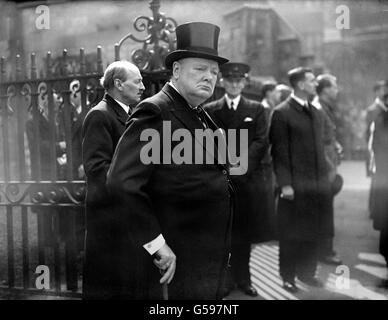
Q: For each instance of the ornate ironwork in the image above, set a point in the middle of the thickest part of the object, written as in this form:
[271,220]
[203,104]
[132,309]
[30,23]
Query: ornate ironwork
[43,193]
[160,39]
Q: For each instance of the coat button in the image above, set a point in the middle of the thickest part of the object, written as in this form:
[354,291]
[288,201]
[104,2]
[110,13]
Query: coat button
[224,172]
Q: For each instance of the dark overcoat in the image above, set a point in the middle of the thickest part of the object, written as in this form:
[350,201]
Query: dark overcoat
[250,115]
[101,131]
[379,195]
[332,160]
[189,204]
[298,156]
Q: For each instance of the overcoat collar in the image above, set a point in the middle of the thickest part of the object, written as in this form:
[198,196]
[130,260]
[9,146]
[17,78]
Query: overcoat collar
[122,116]
[181,109]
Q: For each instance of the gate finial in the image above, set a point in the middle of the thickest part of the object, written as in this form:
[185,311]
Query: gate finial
[160,29]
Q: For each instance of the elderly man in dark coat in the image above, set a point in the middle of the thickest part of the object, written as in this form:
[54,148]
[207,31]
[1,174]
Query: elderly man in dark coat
[174,212]
[301,172]
[233,111]
[101,130]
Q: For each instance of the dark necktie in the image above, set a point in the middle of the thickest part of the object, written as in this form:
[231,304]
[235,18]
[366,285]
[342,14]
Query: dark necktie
[232,106]
[307,109]
[202,116]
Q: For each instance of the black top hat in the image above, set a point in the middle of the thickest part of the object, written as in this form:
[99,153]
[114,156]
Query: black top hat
[234,70]
[196,40]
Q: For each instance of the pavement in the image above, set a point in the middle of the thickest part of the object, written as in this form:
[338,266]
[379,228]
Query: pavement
[356,242]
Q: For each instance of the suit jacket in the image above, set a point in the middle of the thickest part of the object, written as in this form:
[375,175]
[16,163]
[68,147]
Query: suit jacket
[298,156]
[101,131]
[188,203]
[330,138]
[249,115]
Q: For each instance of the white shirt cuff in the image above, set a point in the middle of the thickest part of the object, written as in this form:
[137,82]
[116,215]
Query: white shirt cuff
[155,244]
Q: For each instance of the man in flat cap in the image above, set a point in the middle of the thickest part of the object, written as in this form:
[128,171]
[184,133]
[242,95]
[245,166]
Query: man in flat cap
[176,215]
[233,111]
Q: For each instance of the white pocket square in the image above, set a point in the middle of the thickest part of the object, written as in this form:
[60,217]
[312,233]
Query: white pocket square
[247,119]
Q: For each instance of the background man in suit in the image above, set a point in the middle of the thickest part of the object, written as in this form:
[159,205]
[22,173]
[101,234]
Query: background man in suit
[271,94]
[102,128]
[381,89]
[379,148]
[301,172]
[373,111]
[325,101]
[176,215]
[233,111]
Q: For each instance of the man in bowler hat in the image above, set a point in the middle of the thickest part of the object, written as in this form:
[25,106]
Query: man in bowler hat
[233,111]
[175,216]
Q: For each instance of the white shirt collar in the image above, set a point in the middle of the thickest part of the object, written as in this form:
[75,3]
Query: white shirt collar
[172,85]
[381,104]
[236,101]
[266,104]
[297,99]
[175,88]
[316,103]
[124,106]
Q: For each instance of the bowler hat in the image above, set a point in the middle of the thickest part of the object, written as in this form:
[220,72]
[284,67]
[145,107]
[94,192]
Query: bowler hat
[196,40]
[234,70]
[337,184]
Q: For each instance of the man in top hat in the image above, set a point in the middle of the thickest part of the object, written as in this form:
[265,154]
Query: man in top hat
[296,136]
[174,215]
[233,111]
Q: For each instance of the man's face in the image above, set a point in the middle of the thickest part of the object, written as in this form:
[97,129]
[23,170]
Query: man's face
[274,96]
[233,86]
[195,79]
[332,91]
[309,84]
[131,89]
[382,91]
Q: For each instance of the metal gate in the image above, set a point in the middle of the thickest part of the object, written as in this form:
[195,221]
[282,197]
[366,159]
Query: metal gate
[42,188]
[41,181]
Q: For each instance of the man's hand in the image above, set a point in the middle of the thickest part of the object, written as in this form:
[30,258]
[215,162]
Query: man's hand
[166,262]
[287,193]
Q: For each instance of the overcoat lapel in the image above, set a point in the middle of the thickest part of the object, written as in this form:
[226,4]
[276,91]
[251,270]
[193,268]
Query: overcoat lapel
[240,114]
[222,112]
[121,115]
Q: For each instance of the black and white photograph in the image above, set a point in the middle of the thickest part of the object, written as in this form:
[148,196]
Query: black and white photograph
[206,151]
